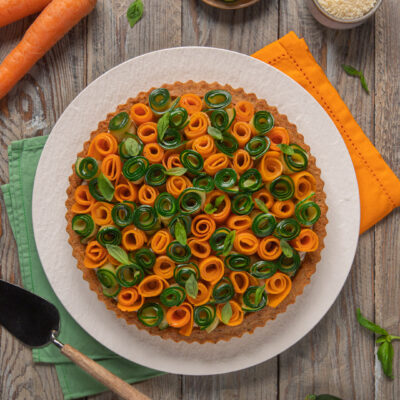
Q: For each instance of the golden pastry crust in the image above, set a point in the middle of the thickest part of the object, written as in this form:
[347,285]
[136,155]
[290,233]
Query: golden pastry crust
[251,320]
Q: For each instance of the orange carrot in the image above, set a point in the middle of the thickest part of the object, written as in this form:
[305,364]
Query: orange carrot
[152,286]
[306,241]
[265,196]
[211,269]
[278,135]
[204,145]
[199,249]
[241,131]
[197,125]
[203,296]
[171,160]
[164,267]
[239,222]
[178,316]
[245,243]
[242,161]
[270,248]
[147,195]
[304,184]
[102,145]
[244,111]
[177,184]
[129,299]
[101,213]
[95,255]
[84,200]
[240,281]
[223,210]
[216,162]
[133,238]
[191,102]
[283,209]
[111,167]
[237,313]
[49,27]
[125,190]
[203,226]
[160,241]
[14,10]
[278,287]
[140,113]
[147,132]
[153,152]
[270,166]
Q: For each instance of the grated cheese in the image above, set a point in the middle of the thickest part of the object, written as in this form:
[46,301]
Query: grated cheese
[347,9]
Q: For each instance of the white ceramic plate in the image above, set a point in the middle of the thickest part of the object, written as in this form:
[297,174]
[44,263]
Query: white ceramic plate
[182,64]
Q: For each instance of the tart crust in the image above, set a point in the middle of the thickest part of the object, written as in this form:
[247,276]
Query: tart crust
[251,320]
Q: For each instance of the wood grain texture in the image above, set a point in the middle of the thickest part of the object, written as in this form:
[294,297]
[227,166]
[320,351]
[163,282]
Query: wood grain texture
[337,356]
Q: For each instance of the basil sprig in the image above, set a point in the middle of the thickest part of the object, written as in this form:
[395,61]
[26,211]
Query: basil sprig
[353,72]
[214,133]
[135,12]
[228,243]
[180,233]
[106,188]
[210,208]
[118,253]
[286,248]
[262,206]
[162,125]
[191,286]
[226,313]
[258,294]
[385,350]
[286,149]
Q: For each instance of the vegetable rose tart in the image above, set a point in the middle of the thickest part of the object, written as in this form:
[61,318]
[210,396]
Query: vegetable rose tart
[196,212]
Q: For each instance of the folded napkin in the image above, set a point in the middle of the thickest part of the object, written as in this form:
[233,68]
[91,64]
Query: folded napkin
[23,159]
[378,186]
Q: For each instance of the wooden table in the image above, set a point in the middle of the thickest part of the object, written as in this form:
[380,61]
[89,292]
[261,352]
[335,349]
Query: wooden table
[337,357]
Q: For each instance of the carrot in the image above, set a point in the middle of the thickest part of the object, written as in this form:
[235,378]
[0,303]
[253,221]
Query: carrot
[203,296]
[239,222]
[160,241]
[14,10]
[129,299]
[101,213]
[197,125]
[147,195]
[140,113]
[186,330]
[306,241]
[203,226]
[171,160]
[191,102]
[84,200]
[153,152]
[241,131]
[177,184]
[223,210]
[125,190]
[147,132]
[270,166]
[178,316]
[152,286]
[204,145]
[278,287]
[242,161]
[244,111]
[102,145]
[304,184]
[164,267]
[265,196]
[245,243]
[199,249]
[216,162]
[95,255]
[240,281]
[111,167]
[133,238]
[278,135]
[283,209]
[270,248]
[49,27]
[211,269]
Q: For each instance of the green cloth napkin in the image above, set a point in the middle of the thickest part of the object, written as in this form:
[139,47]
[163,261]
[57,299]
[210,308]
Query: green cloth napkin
[23,160]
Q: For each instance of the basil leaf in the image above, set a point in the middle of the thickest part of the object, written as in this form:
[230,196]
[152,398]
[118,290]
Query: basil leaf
[218,201]
[385,356]
[118,253]
[214,133]
[350,70]
[364,83]
[106,188]
[286,248]
[228,243]
[162,125]
[381,339]
[226,313]
[370,325]
[175,103]
[180,233]
[191,287]
[286,149]
[210,209]
[135,12]
[132,147]
[177,171]
[261,205]
[258,294]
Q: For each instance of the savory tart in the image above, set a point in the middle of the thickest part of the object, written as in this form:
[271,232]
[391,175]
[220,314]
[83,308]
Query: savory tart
[196,212]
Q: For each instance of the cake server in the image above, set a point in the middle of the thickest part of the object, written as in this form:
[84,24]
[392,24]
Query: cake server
[36,322]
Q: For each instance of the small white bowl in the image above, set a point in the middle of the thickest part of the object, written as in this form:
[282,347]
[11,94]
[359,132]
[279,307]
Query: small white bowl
[330,21]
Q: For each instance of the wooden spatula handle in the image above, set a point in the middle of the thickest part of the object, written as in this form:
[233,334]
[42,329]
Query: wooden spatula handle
[104,376]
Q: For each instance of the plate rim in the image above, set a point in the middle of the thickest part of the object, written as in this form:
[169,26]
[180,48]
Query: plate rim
[264,65]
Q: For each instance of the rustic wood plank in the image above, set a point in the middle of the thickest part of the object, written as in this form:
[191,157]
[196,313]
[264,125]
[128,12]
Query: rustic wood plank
[387,260]
[333,358]
[245,31]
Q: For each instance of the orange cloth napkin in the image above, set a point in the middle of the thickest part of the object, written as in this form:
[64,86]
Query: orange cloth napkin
[378,185]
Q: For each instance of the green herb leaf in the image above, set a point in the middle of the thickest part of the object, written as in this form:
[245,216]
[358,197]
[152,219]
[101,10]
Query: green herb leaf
[177,171]
[118,253]
[106,188]
[191,286]
[350,70]
[286,248]
[385,356]
[214,133]
[135,12]
[218,201]
[286,149]
[258,294]
[228,243]
[180,233]
[210,209]
[261,205]
[132,147]
[162,125]
[226,313]
[364,83]
[381,339]
[370,325]
[175,103]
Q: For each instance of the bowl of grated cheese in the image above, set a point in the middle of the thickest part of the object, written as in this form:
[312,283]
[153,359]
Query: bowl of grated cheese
[342,14]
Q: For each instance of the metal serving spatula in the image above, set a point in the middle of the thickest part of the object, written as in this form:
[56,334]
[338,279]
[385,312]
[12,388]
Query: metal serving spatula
[35,322]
